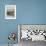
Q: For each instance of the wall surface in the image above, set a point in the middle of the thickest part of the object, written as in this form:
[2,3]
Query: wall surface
[27,12]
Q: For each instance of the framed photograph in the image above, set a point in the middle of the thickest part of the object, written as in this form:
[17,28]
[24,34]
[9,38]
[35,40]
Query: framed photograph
[10,11]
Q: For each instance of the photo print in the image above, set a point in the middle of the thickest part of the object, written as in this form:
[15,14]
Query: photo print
[10,11]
